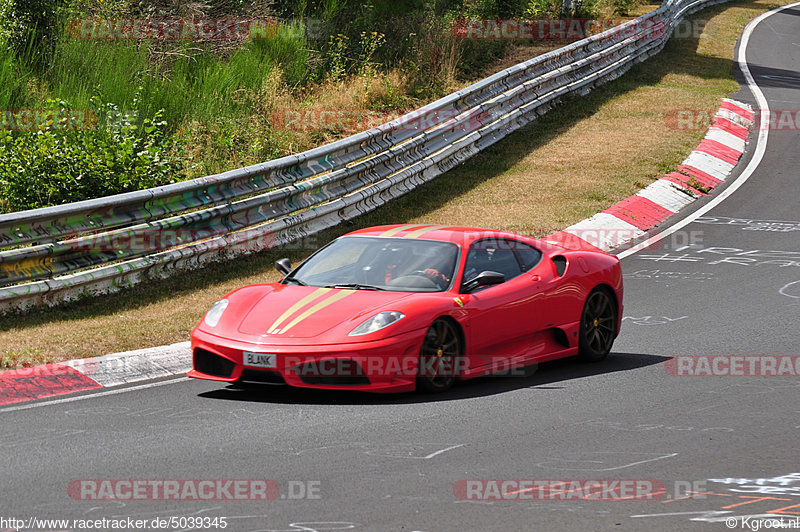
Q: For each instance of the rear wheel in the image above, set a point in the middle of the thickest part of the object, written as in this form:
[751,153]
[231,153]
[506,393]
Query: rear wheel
[598,326]
[438,357]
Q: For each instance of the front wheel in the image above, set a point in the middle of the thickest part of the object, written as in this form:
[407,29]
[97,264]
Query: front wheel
[440,353]
[598,326]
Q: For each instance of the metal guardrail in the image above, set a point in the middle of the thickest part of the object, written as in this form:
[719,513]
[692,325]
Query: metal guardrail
[59,253]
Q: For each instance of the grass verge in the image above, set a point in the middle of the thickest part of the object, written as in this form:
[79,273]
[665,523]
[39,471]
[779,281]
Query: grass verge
[577,160]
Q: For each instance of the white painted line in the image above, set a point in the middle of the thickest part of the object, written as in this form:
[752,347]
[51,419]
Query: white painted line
[563,463]
[761,147]
[665,194]
[440,451]
[93,395]
[641,462]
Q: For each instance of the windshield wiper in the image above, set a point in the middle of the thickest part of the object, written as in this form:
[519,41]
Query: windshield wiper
[294,280]
[355,286]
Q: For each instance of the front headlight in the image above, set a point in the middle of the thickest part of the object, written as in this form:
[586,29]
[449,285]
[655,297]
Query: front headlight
[377,322]
[213,315]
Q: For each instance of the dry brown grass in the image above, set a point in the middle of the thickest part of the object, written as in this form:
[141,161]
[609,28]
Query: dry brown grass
[575,161]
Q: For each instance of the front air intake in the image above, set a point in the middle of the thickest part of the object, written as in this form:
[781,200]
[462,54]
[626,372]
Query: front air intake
[212,364]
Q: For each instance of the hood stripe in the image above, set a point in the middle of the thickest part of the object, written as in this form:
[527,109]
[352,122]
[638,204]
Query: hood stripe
[394,231]
[319,306]
[316,294]
[420,232]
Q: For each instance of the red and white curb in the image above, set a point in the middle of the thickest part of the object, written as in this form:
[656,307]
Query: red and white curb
[38,382]
[626,221]
[706,167]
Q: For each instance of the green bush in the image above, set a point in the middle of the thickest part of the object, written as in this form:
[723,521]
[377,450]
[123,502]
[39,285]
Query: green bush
[624,7]
[543,9]
[116,153]
[31,26]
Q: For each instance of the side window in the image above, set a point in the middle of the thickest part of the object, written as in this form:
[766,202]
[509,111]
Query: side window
[528,256]
[491,255]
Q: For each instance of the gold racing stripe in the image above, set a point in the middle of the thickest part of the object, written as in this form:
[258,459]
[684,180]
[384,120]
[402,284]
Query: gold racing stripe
[316,294]
[316,308]
[420,232]
[392,232]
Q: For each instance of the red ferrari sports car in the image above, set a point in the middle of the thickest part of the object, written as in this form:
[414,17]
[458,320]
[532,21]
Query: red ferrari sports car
[404,307]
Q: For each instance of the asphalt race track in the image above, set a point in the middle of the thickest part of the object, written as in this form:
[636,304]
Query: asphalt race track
[717,448]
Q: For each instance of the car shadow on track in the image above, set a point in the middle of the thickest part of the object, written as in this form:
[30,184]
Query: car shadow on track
[544,376]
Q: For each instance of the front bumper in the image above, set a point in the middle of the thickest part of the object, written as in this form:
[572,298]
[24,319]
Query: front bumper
[386,365]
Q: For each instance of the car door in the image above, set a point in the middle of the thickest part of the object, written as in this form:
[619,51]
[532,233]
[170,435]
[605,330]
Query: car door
[561,288]
[502,318]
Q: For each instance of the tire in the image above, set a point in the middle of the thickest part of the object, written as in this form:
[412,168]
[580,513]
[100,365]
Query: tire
[439,356]
[598,326]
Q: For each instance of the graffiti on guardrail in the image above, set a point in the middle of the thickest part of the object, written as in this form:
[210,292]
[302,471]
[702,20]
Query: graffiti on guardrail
[277,202]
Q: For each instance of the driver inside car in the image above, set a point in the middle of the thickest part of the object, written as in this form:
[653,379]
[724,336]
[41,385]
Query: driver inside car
[436,269]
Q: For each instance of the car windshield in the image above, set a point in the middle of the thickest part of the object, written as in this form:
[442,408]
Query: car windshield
[379,263]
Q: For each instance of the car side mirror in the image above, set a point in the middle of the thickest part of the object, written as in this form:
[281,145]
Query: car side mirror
[485,278]
[283,265]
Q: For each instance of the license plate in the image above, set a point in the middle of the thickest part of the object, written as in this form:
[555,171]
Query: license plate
[260,360]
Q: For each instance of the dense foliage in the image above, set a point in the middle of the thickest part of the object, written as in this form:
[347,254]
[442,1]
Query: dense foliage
[201,106]
[78,155]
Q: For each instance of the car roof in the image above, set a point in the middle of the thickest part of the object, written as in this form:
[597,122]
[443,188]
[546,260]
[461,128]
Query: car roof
[447,233]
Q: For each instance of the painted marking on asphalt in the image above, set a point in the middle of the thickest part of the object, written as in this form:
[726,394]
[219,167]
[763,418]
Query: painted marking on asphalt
[786,485]
[603,231]
[440,451]
[704,178]
[93,395]
[415,451]
[28,384]
[761,147]
[585,463]
[652,320]
[139,365]
[719,150]
[791,290]
[303,526]
[702,514]
[645,427]
[661,275]
[749,224]
[642,212]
